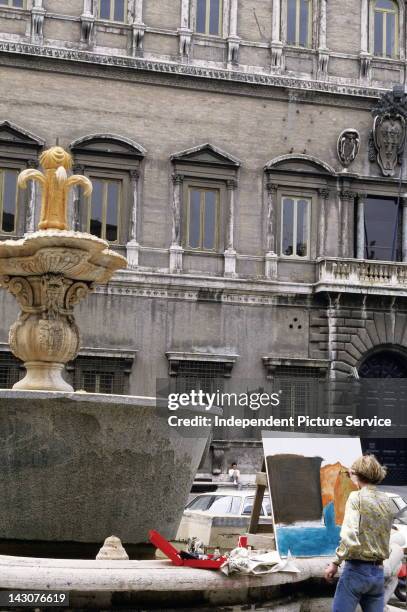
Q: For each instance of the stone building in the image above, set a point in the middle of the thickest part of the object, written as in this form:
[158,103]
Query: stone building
[237,163]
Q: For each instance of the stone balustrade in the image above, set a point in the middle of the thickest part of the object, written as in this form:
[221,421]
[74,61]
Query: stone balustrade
[356,275]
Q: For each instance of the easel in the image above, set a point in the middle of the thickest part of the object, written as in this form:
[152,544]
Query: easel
[261,486]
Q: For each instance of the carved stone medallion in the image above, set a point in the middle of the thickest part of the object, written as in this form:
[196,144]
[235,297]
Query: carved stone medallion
[348,146]
[389,133]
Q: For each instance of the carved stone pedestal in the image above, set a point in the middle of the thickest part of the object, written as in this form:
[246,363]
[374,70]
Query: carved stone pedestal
[49,272]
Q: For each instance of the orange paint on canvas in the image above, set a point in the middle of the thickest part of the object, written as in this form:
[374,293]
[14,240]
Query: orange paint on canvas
[343,488]
[329,474]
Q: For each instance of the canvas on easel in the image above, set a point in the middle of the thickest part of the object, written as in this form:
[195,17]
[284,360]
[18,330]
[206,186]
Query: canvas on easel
[309,485]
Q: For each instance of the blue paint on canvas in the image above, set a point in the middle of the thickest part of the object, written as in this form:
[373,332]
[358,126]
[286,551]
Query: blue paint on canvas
[310,541]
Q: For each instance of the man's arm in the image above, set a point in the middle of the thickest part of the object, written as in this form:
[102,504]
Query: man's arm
[349,535]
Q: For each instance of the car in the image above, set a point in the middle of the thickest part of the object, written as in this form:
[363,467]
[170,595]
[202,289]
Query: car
[231,503]
[399,507]
[218,518]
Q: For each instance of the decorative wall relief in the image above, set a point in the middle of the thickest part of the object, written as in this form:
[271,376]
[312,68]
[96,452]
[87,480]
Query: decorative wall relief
[348,146]
[389,130]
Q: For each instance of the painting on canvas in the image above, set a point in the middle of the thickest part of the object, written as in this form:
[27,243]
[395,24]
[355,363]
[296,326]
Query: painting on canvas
[309,485]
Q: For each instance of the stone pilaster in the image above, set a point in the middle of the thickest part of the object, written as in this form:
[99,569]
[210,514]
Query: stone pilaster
[276,45]
[404,228]
[347,199]
[78,201]
[88,24]
[185,32]
[270,270]
[230,252]
[176,250]
[323,53]
[32,197]
[138,29]
[233,39]
[365,56]
[323,214]
[37,22]
[133,246]
[360,226]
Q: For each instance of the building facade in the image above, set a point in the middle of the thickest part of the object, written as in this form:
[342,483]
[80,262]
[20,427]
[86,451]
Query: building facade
[237,163]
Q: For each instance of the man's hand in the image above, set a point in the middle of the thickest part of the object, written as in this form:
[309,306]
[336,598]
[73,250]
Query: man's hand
[330,572]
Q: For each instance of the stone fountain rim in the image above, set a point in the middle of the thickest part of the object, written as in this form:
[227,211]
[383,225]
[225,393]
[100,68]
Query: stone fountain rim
[102,398]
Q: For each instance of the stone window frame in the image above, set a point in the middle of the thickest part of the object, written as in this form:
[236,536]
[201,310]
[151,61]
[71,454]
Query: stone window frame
[176,358]
[313,34]
[400,50]
[119,361]
[19,150]
[311,179]
[110,156]
[206,165]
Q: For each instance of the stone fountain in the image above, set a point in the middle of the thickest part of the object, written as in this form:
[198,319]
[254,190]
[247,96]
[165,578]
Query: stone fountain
[76,467]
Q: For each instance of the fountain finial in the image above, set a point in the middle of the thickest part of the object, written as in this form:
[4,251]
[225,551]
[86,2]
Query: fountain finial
[55,186]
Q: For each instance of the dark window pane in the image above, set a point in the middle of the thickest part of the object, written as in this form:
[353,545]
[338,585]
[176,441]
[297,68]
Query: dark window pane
[210,220]
[200,503]
[113,194]
[9,200]
[3,2]
[104,382]
[201,16]
[195,218]
[119,7]
[96,217]
[18,3]
[390,34]
[378,33]
[381,224]
[302,228]
[214,17]
[89,382]
[291,21]
[288,226]
[105,9]
[304,23]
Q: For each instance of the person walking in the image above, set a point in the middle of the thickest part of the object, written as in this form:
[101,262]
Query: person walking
[364,541]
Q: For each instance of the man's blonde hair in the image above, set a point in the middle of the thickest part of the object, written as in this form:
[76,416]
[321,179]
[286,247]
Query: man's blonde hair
[368,468]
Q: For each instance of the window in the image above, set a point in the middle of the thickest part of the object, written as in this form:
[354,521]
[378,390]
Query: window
[104,207]
[8,200]
[299,20]
[383,229]
[295,222]
[385,28]
[11,370]
[202,219]
[113,10]
[209,17]
[13,3]
[100,374]
[302,392]
[205,375]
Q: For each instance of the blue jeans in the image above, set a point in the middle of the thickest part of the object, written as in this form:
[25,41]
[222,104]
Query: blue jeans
[360,583]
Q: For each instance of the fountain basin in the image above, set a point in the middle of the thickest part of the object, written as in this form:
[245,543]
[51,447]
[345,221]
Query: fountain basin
[78,467]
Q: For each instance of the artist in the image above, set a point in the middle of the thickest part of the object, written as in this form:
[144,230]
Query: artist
[364,543]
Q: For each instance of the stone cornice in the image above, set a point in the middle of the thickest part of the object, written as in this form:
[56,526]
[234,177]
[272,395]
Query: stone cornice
[189,70]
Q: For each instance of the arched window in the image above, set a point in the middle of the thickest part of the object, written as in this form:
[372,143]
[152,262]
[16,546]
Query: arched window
[385,28]
[299,22]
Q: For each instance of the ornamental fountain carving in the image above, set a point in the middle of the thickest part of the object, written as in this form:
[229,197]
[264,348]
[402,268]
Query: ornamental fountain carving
[49,272]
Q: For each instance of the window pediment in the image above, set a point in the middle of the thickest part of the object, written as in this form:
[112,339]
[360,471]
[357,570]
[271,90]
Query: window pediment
[11,134]
[206,155]
[299,164]
[107,145]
